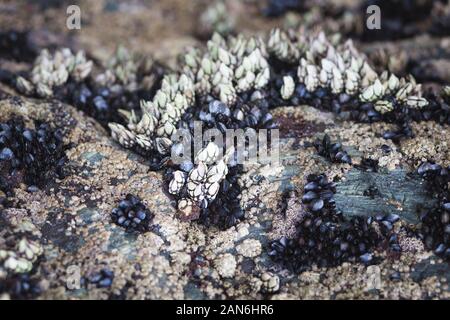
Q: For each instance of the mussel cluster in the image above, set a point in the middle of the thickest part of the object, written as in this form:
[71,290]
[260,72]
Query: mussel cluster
[435,230]
[132,215]
[33,156]
[102,279]
[17,45]
[325,237]
[275,8]
[20,287]
[331,151]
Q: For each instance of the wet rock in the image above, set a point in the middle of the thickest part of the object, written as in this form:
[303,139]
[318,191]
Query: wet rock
[397,193]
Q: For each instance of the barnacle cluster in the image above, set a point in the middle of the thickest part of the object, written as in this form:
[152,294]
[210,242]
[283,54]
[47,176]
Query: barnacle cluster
[51,71]
[228,67]
[197,188]
[152,131]
[435,230]
[216,18]
[123,81]
[29,155]
[325,237]
[340,72]
[19,255]
[311,69]
[132,214]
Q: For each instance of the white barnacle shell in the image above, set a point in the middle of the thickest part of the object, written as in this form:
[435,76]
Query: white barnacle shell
[262,78]
[24,86]
[160,99]
[446,91]
[166,130]
[29,249]
[392,84]
[188,210]
[43,90]
[328,65]
[311,79]
[171,112]
[207,66]
[224,56]
[403,93]
[147,124]
[190,59]
[373,92]
[227,94]
[180,102]
[356,64]
[351,82]
[247,64]
[288,87]
[119,133]
[198,174]
[177,182]
[369,75]
[246,83]
[144,142]
[383,106]
[195,191]
[209,154]
[378,89]
[416,102]
[211,190]
[324,77]
[337,83]
[217,173]
[163,145]
[301,71]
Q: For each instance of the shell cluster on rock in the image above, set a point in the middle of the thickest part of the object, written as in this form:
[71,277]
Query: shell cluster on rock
[20,253]
[331,151]
[132,214]
[435,230]
[29,155]
[124,80]
[50,71]
[325,237]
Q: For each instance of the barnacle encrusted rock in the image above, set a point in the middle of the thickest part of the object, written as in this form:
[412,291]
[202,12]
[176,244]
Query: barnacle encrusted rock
[225,265]
[224,255]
